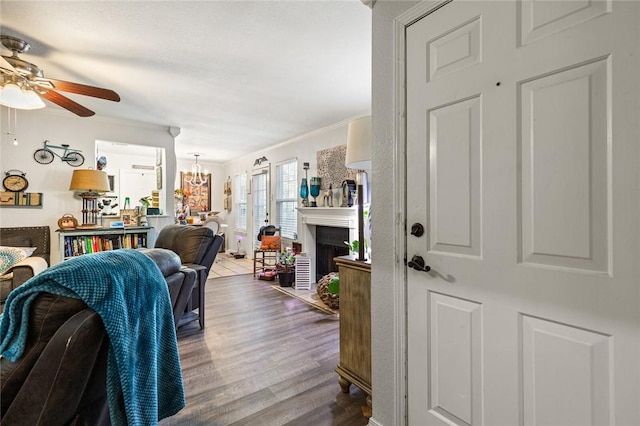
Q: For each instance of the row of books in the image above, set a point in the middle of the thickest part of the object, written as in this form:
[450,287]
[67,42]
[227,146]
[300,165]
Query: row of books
[76,246]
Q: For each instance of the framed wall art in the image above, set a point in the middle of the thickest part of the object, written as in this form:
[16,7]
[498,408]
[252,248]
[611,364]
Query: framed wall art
[197,197]
[331,168]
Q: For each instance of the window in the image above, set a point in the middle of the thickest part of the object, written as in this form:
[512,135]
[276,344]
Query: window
[287,198]
[240,200]
[260,214]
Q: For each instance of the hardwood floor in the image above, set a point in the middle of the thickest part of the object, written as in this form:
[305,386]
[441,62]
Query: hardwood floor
[226,266]
[263,359]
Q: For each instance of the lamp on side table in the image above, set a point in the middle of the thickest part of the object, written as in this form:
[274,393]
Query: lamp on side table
[90,184]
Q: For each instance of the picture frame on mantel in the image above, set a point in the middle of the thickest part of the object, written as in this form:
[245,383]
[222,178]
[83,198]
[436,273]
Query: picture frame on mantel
[199,198]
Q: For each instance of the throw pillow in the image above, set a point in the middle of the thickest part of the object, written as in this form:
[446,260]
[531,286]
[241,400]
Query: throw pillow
[9,256]
[270,242]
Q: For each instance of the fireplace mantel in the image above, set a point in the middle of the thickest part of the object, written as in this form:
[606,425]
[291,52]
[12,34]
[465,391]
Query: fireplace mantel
[340,217]
[310,217]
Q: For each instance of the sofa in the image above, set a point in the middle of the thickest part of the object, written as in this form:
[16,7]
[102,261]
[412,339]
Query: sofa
[61,377]
[38,237]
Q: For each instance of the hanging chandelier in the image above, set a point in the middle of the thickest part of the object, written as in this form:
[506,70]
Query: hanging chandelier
[197,177]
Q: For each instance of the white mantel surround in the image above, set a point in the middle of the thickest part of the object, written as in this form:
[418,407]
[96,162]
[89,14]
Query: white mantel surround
[310,217]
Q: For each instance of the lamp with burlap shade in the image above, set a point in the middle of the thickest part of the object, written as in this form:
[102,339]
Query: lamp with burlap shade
[89,184]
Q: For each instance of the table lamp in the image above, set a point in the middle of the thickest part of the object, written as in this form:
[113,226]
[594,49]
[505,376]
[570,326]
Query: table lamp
[89,184]
[359,157]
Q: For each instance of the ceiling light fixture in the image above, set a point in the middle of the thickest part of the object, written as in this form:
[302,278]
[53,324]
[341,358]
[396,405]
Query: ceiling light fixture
[13,96]
[197,177]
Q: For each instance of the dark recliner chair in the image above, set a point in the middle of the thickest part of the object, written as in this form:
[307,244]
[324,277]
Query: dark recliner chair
[197,247]
[61,377]
[180,279]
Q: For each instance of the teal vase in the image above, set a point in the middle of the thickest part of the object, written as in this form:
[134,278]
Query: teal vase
[304,189]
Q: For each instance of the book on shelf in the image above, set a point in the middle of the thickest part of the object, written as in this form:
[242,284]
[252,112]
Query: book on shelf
[86,244]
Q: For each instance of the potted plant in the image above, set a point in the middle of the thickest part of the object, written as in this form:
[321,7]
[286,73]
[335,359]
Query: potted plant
[334,285]
[285,263]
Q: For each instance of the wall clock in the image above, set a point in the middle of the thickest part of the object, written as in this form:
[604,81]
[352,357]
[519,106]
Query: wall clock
[15,181]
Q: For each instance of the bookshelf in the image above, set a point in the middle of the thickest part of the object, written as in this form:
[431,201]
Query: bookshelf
[76,242]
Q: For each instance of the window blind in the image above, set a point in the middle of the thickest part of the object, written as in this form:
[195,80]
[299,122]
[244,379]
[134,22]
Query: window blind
[287,198]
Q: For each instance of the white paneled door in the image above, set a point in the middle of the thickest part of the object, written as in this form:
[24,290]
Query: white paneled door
[523,158]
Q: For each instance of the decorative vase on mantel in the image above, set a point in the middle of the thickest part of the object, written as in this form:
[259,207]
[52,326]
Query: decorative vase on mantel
[304,192]
[316,183]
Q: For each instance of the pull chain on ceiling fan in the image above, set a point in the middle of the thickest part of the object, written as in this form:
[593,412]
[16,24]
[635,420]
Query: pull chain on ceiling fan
[23,84]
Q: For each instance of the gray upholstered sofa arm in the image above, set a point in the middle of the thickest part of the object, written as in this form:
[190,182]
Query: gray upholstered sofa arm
[21,272]
[26,269]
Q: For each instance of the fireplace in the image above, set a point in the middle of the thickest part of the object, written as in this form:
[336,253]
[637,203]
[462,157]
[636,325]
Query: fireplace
[344,225]
[329,244]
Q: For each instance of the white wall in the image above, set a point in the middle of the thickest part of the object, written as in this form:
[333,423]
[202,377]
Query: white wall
[386,404]
[61,127]
[305,149]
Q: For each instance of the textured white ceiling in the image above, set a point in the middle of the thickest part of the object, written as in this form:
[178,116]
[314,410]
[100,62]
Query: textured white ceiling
[235,76]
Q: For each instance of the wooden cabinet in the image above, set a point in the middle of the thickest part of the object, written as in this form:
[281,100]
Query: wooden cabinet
[76,242]
[355,325]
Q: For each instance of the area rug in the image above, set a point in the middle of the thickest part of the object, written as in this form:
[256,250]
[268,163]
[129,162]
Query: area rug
[310,297]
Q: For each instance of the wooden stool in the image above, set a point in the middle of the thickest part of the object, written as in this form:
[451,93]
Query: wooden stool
[264,260]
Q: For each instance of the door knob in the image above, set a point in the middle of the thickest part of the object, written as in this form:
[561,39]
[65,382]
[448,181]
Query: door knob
[417,229]
[417,263]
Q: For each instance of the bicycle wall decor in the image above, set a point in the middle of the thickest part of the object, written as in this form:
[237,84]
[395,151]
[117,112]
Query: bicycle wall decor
[70,156]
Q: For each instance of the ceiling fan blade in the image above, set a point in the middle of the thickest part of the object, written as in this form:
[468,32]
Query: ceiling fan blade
[83,89]
[67,103]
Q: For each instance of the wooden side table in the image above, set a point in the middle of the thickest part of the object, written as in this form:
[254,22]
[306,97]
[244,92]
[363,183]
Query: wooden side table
[355,325]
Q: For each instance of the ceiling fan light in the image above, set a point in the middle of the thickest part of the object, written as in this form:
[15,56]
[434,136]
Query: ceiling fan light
[14,97]
[34,101]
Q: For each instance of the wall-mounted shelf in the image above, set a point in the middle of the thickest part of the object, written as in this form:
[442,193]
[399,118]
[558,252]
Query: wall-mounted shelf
[20,199]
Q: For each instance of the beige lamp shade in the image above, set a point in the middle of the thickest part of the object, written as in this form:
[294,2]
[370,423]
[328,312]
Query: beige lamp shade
[88,180]
[359,144]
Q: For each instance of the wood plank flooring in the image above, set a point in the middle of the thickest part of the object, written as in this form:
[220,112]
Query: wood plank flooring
[263,359]
[226,266]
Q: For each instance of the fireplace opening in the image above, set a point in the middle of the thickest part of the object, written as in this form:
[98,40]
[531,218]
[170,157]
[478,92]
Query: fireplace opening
[329,244]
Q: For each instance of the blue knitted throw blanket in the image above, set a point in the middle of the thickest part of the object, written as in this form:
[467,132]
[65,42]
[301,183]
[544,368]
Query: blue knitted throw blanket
[128,291]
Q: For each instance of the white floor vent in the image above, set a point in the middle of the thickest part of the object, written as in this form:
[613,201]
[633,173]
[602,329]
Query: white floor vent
[303,273]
